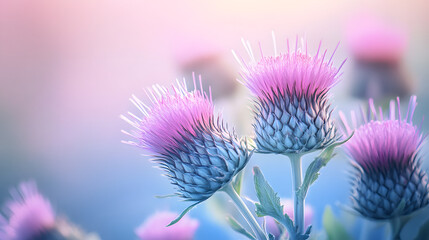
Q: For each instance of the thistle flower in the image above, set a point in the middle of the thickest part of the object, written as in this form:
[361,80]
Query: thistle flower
[154,228]
[272,226]
[386,162]
[185,137]
[378,50]
[293,114]
[29,214]
[372,40]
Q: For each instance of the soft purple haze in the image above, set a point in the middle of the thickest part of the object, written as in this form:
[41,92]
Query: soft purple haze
[154,228]
[378,140]
[294,71]
[29,213]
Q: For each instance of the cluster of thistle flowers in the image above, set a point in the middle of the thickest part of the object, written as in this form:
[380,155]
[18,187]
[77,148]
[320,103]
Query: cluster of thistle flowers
[195,147]
[29,215]
[292,117]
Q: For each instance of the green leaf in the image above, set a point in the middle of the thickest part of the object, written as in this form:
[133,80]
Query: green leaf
[238,228]
[312,172]
[250,143]
[166,196]
[423,232]
[238,182]
[269,205]
[269,201]
[182,214]
[334,229]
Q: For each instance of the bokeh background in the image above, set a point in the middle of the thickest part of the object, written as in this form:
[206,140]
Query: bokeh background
[67,69]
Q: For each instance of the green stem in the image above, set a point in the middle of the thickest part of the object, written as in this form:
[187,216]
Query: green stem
[299,201]
[395,227]
[245,212]
[364,230]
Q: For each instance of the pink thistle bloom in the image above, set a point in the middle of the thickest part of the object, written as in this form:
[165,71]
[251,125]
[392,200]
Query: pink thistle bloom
[193,145]
[294,71]
[174,114]
[292,114]
[382,142]
[272,226]
[29,214]
[154,228]
[386,162]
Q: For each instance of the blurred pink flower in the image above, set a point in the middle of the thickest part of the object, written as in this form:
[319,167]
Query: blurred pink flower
[378,48]
[154,228]
[28,214]
[288,209]
[371,39]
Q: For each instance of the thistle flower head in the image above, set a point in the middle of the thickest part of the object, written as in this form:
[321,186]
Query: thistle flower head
[293,114]
[385,153]
[154,228]
[29,214]
[185,137]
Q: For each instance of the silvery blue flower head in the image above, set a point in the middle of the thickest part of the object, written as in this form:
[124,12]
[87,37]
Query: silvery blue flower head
[29,215]
[293,114]
[185,137]
[388,180]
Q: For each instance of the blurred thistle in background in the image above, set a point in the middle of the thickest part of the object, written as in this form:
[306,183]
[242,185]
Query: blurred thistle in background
[205,57]
[30,216]
[378,49]
[199,55]
[388,181]
[155,227]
